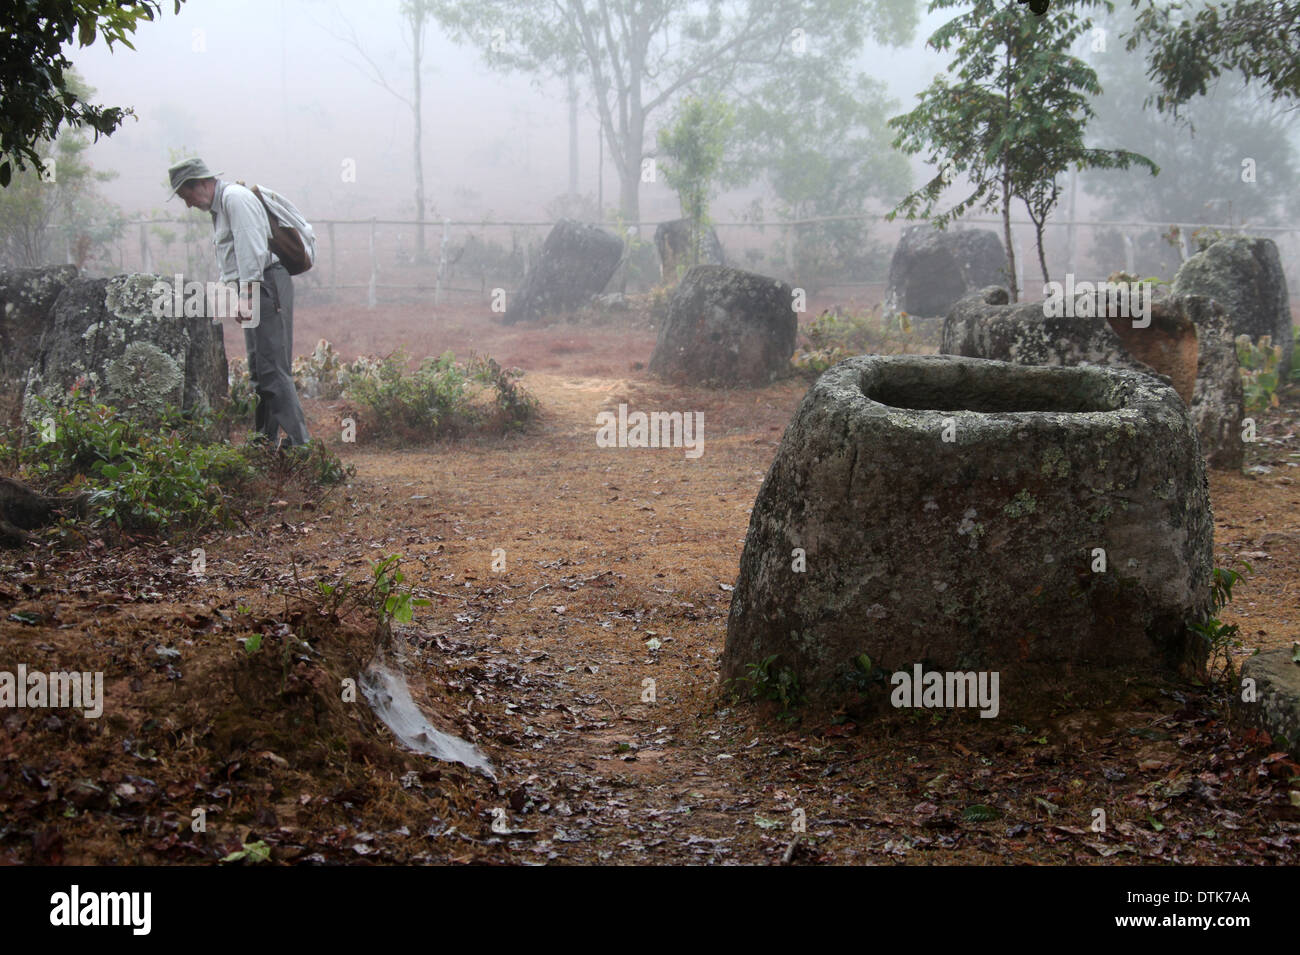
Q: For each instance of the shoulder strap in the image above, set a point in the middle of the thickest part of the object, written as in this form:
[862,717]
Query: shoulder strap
[275,221]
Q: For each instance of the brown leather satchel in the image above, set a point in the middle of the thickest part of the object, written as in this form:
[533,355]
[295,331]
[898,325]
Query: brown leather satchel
[285,241]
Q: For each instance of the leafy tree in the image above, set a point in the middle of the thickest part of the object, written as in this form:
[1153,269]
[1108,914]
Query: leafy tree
[696,144]
[1014,121]
[1202,177]
[415,15]
[36,97]
[638,57]
[35,206]
[824,162]
[1258,39]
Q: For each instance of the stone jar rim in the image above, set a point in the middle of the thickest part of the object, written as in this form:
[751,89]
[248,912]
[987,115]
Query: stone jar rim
[920,391]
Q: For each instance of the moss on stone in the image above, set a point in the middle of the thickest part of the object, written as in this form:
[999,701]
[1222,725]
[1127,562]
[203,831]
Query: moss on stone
[1055,463]
[1022,504]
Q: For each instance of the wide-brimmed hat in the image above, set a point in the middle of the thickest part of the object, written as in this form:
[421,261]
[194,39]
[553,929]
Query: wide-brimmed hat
[187,169]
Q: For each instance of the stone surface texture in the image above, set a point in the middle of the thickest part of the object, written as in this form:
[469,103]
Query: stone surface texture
[979,552]
[576,263]
[1189,343]
[726,327]
[104,337]
[1244,275]
[931,270]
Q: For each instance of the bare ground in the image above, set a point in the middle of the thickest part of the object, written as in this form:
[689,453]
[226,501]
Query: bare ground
[544,667]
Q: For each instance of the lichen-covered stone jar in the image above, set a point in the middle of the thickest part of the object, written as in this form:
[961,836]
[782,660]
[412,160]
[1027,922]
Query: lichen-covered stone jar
[967,514]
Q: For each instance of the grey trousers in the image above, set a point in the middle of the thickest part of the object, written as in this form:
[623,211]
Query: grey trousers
[270,361]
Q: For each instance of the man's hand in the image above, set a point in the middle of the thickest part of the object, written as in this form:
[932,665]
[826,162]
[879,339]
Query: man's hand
[249,313]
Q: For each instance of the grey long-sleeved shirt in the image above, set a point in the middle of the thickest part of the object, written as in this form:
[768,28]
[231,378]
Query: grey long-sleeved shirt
[240,230]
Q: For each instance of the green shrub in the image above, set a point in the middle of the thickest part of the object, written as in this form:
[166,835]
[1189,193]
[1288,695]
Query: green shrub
[1220,638]
[137,478]
[441,398]
[780,686]
[159,478]
[385,598]
[837,334]
[1259,371]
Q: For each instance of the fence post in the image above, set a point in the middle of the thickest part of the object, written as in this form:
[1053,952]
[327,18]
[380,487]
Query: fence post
[146,258]
[1130,258]
[334,271]
[442,261]
[374,267]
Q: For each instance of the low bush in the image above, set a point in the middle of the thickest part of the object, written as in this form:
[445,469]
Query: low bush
[837,334]
[158,479]
[440,398]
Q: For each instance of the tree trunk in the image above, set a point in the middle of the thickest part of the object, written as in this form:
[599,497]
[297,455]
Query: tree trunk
[1038,237]
[1006,235]
[1070,233]
[417,54]
[629,190]
[573,132]
[1006,182]
[634,136]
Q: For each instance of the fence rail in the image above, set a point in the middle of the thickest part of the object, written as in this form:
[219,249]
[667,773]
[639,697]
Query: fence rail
[383,262]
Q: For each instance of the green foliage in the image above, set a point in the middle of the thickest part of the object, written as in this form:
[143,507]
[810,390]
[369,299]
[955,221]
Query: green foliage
[837,334]
[391,603]
[1193,149]
[137,478]
[45,216]
[36,97]
[250,852]
[412,402]
[439,398]
[978,812]
[695,144]
[1220,638]
[824,161]
[176,475]
[1230,123]
[1257,39]
[781,686]
[1259,371]
[1015,121]
[863,676]
[385,598]
[637,58]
